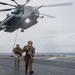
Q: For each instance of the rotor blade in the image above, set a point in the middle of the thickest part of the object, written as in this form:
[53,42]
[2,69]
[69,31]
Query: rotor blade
[6,9]
[47,15]
[7,4]
[15,2]
[27,1]
[61,4]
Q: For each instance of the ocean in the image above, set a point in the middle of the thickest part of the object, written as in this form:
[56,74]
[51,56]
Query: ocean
[55,54]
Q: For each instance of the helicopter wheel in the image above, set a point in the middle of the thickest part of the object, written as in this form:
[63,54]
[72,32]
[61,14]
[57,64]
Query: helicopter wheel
[41,16]
[22,30]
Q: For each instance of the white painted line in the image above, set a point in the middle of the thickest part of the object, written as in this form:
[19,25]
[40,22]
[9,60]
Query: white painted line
[52,58]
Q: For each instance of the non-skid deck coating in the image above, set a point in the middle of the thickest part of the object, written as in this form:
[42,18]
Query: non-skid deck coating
[60,66]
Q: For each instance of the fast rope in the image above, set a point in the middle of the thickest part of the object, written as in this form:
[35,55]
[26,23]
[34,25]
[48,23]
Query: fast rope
[15,40]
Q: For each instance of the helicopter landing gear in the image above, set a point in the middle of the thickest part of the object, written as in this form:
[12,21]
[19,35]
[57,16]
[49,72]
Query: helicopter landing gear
[22,30]
[41,16]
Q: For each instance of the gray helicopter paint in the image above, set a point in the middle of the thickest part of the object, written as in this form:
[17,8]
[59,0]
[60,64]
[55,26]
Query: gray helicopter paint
[27,14]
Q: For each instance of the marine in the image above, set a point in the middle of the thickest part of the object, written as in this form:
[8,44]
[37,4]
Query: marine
[17,54]
[28,58]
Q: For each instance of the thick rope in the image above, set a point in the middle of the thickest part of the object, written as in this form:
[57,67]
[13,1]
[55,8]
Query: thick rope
[15,40]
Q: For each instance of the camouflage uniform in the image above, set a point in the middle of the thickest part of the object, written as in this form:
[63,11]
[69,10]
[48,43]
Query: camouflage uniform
[17,54]
[28,58]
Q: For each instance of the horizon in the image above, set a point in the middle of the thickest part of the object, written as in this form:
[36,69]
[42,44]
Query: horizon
[49,34]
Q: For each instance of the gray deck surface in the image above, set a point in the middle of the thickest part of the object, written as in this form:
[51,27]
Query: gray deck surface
[60,66]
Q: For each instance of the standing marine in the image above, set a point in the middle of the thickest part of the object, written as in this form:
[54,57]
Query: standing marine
[28,58]
[17,54]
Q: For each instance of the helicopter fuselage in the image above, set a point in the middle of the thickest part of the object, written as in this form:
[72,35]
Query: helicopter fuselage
[20,19]
[24,16]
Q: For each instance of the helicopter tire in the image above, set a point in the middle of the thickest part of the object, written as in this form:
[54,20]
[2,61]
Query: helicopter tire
[22,30]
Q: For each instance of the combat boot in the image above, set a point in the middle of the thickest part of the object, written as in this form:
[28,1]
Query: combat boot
[26,69]
[31,72]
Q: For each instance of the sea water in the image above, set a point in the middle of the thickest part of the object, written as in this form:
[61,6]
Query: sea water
[55,54]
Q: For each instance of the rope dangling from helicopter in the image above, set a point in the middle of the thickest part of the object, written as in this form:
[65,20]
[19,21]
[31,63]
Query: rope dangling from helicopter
[15,38]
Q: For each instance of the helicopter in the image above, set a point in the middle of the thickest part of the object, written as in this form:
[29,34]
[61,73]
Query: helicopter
[23,16]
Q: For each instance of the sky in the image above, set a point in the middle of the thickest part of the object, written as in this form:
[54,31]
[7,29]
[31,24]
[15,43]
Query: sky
[49,34]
